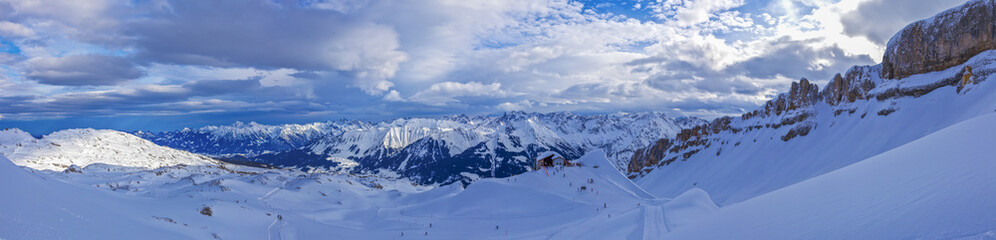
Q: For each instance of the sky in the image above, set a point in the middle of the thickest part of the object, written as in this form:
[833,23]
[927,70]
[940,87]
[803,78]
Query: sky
[164,65]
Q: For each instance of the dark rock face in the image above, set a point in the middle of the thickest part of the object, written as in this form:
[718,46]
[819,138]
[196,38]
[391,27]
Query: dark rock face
[798,130]
[853,87]
[948,39]
[649,156]
[690,141]
[802,94]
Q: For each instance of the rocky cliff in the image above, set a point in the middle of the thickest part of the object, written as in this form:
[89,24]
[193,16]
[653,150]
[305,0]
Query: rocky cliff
[948,39]
[787,109]
[937,45]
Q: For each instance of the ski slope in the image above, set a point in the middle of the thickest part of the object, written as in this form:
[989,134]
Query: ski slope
[938,187]
[36,208]
[105,201]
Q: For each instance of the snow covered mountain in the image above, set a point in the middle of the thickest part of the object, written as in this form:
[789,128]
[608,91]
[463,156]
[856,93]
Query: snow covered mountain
[81,147]
[867,157]
[807,132]
[429,151]
[901,194]
[245,138]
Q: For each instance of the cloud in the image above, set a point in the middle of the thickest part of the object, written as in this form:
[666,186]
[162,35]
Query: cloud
[698,11]
[82,70]
[386,59]
[393,96]
[87,21]
[189,98]
[217,87]
[516,106]
[879,20]
[306,75]
[691,12]
[446,92]
[265,35]
[14,29]
[798,59]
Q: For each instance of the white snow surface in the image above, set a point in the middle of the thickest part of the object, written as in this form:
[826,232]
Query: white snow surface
[82,147]
[937,187]
[33,207]
[9,139]
[250,203]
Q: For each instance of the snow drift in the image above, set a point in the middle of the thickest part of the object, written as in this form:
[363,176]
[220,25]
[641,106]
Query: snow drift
[938,187]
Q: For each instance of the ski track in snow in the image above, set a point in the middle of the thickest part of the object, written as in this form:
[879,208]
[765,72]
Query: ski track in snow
[269,234]
[654,222]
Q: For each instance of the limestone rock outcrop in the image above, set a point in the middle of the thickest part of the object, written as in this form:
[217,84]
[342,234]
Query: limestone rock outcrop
[853,86]
[943,41]
[802,94]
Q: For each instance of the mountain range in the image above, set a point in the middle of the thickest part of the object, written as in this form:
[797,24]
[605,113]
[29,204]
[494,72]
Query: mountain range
[898,150]
[429,151]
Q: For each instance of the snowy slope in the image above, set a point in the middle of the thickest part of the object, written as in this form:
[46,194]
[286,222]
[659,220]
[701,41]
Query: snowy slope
[82,147]
[752,157]
[9,139]
[108,202]
[940,186]
[252,203]
[933,188]
[35,208]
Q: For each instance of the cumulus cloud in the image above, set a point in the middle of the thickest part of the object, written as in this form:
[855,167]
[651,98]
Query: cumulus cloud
[691,12]
[86,21]
[515,106]
[447,92]
[393,96]
[388,59]
[698,11]
[14,29]
[267,35]
[798,59]
[82,70]
[878,20]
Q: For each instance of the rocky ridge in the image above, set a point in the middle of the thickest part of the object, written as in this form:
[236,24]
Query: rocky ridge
[932,45]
